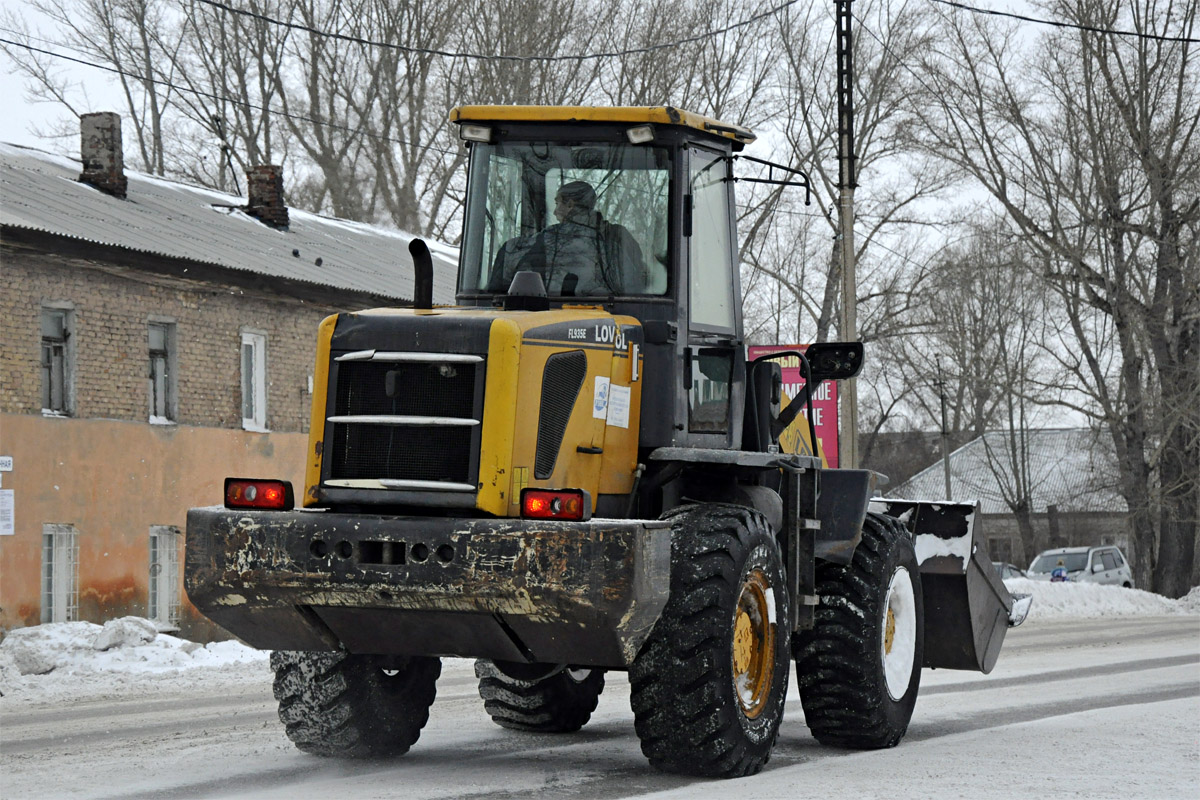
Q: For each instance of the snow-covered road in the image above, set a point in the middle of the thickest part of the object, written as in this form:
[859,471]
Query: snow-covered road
[1076,707]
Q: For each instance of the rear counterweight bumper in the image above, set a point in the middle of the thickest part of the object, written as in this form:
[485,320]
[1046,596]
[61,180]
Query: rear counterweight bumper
[582,593]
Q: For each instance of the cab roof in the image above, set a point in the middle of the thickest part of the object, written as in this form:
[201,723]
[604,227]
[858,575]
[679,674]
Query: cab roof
[633,115]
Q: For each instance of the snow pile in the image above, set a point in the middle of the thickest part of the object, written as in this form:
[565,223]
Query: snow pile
[1072,599]
[125,632]
[1190,602]
[86,652]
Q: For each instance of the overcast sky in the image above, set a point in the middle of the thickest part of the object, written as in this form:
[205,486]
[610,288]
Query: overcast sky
[21,115]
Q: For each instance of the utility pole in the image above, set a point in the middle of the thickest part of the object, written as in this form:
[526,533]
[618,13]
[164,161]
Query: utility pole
[848,443]
[941,387]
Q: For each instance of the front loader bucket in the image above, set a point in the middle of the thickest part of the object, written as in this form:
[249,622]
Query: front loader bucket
[967,607]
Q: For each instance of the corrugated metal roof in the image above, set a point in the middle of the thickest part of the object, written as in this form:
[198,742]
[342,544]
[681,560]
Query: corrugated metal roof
[1072,468]
[39,191]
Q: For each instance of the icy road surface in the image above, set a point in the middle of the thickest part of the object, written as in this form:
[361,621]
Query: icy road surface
[1076,707]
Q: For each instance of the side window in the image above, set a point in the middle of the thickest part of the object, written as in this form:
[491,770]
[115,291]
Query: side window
[710,248]
[505,202]
[254,381]
[1110,559]
[60,573]
[164,575]
[57,361]
[708,401]
[162,372]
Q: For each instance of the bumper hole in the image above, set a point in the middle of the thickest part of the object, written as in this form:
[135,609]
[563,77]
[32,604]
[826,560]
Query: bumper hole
[419,552]
[318,548]
[445,554]
[345,549]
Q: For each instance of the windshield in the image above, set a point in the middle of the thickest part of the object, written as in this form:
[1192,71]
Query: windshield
[1046,562]
[591,219]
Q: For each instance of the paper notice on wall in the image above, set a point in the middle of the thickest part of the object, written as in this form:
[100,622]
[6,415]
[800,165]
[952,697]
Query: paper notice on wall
[7,514]
[618,406]
[600,398]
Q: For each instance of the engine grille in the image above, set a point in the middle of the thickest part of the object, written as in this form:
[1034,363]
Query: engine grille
[561,383]
[437,441]
[437,390]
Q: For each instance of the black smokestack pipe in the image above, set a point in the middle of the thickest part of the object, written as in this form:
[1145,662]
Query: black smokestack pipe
[423,267]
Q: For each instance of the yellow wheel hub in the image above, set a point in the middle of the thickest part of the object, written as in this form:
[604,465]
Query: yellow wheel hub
[889,633]
[743,642]
[753,645]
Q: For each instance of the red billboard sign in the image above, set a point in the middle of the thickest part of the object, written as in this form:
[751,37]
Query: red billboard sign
[825,400]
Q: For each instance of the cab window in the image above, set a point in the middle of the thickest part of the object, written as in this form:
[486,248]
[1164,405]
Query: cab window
[710,249]
[590,218]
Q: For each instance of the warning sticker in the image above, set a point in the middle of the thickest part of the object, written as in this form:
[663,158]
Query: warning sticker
[618,406]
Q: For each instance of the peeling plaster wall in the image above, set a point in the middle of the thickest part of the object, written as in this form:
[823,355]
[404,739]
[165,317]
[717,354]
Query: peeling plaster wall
[111,480]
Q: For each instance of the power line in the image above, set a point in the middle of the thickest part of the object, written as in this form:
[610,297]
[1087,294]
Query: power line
[226,98]
[1058,24]
[487,57]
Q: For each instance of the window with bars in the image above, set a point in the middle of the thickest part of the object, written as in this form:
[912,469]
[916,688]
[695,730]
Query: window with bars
[60,573]
[162,373]
[1000,548]
[56,326]
[164,575]
[254,381]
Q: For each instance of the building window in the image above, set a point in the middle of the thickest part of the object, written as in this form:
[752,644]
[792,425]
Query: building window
[60,573]
[254,381]
[162,372]
[56,361]
[164,575]
[1000,548]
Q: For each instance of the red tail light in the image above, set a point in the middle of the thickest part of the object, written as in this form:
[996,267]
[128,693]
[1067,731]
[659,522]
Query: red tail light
[250,493]
[565,504]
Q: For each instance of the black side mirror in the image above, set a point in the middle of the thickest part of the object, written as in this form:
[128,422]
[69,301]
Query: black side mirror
[835,361]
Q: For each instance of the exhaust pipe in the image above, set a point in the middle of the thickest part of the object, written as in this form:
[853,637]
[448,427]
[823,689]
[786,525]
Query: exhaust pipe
[423,269]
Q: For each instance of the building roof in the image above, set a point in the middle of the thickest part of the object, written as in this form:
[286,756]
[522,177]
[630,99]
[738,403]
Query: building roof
[1073,469]
[39,192]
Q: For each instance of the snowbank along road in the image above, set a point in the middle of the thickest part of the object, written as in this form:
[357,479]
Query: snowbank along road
[1076,707]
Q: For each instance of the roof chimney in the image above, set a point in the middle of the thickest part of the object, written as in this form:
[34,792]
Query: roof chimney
[265,188]
[100,151]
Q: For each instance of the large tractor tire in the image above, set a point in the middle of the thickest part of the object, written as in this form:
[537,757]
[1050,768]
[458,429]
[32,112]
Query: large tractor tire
[560,701]
[859,668]
[353,706]
[709,684]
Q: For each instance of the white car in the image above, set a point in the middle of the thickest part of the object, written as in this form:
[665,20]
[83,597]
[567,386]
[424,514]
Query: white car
[1082,564]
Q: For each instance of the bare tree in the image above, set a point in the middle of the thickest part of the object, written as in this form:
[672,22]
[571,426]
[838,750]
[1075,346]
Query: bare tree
[128,36]
[893,177]
[1089,144]
[232,65]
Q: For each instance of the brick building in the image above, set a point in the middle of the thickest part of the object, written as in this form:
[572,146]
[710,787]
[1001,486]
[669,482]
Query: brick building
[157,337]
[1071,474]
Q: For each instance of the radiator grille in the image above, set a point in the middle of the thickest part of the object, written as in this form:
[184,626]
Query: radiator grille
[435,390]
[416,452]
[561,383]
[403,452]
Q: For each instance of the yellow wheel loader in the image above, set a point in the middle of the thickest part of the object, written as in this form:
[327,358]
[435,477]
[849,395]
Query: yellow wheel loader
[575,469]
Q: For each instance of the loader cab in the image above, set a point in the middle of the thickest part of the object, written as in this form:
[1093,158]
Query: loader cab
[631,210]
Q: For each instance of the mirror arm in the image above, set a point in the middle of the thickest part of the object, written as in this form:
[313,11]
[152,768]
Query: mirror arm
[801,400]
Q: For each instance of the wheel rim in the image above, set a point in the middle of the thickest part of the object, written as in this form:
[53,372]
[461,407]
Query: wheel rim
[578,675]
[754,644]
[899,640]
